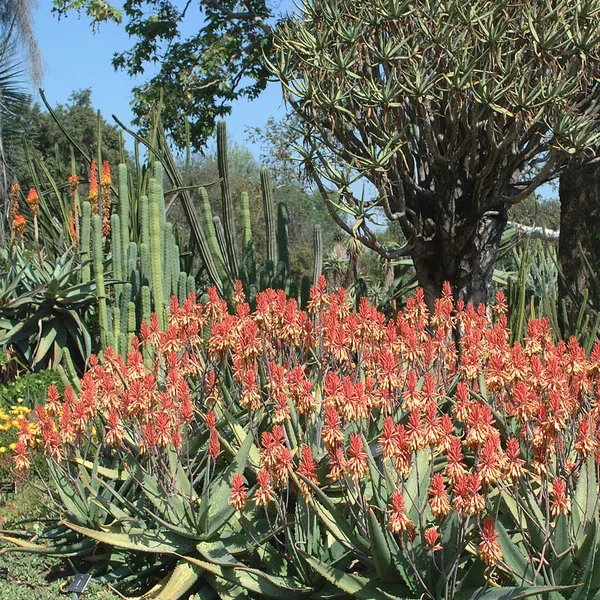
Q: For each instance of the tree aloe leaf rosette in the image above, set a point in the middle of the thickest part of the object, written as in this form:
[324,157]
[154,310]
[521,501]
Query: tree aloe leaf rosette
[331,454]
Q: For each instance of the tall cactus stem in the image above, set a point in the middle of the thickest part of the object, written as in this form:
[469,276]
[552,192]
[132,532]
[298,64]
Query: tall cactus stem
[167,260]
[116,328]
[212,242]
[175,270]
[145,264]
[220,235]
[248,249]
[125,300]
[144,221]
[124,211]
[117,258]
[156,254]
[283,235]
[130,324]
[318,253]
[191,284]
[122,345]
[146,313]
[269,208]
[86,225]
[160,196]
[70,369]
[99,276]
[132,274]
[182,287]
[227,198]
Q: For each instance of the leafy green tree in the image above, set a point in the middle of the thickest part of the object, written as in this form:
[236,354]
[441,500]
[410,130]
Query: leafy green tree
[46,141]
[454,111]
[199,75]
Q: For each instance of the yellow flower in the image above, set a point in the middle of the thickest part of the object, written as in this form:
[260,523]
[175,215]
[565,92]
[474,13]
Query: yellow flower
[20,400]
[2,449]
[12,446]
[15,423]
[4,416]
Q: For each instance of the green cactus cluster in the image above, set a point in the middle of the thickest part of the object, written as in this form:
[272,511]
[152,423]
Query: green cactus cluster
[138,267]
[144,275]
[221,245]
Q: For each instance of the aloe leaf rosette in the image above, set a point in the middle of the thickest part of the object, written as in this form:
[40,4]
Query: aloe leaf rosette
[327,453]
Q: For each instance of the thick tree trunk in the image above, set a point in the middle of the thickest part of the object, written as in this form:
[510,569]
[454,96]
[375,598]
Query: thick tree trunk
[579,192]
[467,266]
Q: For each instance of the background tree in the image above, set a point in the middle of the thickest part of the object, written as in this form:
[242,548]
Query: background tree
[46,142]
[453,111]
[199,75]
[305,207]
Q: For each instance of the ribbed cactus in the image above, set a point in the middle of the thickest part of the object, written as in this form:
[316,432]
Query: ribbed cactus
[156,253]
[99,277]
[117,258]
[124,210]
[248,249]
[182,287]
[191,284]
[146,264]
[145,274]
[211,238]
[318,253]
[86,226]
[283,237]
[269,208]
[144,221]
[228,220]
[133,273]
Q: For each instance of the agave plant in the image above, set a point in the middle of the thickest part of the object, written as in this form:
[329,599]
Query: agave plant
[42,308]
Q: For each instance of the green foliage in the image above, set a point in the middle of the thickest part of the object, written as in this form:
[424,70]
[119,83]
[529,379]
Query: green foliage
[211,70]
[28,388]
[46,142]
[535,211]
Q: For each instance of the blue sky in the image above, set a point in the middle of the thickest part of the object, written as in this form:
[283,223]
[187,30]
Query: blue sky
[76,58]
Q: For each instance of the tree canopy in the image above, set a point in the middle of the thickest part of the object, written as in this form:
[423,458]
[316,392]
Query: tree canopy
[200,73]
[454,111]
[46,141]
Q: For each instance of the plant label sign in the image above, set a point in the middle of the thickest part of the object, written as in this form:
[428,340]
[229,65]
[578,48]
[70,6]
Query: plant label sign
[79,583]
[8,487]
